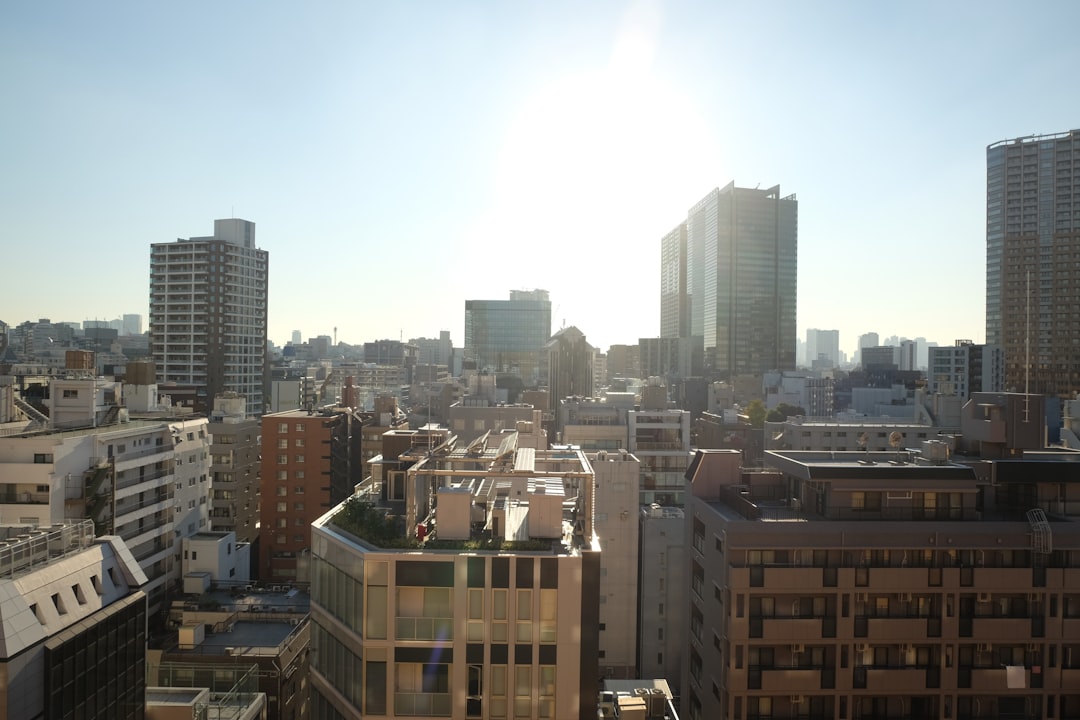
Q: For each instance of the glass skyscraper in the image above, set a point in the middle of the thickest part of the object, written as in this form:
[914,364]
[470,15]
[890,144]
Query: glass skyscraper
[741,279]
[1033,260]
[508,336]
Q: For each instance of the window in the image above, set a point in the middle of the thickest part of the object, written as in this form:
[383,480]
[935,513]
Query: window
[283,443]
[79,596]
[282,507]
[282,491]
[298,506]
[282,459]
[283,475]
[299,490]
[299,442]
[283,427]
[299,427]
[299,458]
[43,458]
[299,474]
[70,394]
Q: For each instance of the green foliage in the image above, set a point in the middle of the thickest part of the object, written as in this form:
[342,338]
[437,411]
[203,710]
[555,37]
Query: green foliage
[755,411]
[372,524]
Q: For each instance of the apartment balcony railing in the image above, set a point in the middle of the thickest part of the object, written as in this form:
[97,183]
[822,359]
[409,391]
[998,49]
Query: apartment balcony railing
[24,498]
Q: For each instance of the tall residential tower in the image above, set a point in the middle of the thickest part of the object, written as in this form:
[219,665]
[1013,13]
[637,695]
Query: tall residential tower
[208,313]
[1032,253]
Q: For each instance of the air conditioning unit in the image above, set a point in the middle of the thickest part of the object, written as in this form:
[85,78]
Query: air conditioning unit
[984,597]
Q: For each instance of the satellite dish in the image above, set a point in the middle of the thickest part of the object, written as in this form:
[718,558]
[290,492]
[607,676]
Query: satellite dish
[895,438]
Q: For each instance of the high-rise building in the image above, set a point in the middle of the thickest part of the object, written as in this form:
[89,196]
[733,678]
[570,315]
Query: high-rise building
[508,336]
[208,313]
[674,300]
[1032,242]
[822,348]
[966,368]
[570,364]
[741,279]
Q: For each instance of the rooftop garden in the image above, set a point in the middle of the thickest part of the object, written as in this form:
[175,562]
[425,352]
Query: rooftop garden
[374,525]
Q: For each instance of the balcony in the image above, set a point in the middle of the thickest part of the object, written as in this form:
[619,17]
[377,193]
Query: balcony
[789,680]
[24,498]
[995,679]
[892,679]
[787,629]
[896,629]
[1016,629]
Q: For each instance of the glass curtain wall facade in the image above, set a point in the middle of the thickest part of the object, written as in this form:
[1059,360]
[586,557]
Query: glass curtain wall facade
[1033,260]
[674,301]
[507,336]
[742,262]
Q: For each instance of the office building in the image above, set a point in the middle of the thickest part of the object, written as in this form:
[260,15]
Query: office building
[741,263]
[1032,243]
[508,336]
[966,368]
[208,313]
[484,605]
[674,297]
[73,630]
[570,365]
[885,585]
[822,349]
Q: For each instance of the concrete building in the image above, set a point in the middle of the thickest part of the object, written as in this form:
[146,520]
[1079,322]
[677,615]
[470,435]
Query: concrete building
[596,423]
[214,559]
[435,351]
[235,470]
[72,625]
[883,356]
[852,586]
[1032,237]
[308,461]
[742,281]
[221,634]
[143,479]
[659,436]
[670,358]
[507,336]
[624,361]
[966,368]
[618,475]
[490,610]
[662,593]
[472,417]
[192,691]
[208,312]
[570,364]
[822,349]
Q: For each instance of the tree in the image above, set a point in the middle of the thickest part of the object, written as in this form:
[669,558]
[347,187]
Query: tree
[755,411]
[783,411]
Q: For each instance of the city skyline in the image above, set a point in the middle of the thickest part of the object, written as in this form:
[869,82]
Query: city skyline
[511,149]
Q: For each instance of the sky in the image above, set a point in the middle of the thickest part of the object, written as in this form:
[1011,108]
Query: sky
[399,158]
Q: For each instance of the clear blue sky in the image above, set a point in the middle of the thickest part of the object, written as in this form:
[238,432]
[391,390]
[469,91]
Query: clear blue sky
[402,157]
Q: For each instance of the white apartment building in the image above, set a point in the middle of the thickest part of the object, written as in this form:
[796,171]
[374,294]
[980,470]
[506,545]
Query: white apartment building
[208,312]
[145,480]
[966,368]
